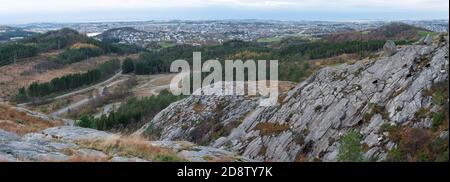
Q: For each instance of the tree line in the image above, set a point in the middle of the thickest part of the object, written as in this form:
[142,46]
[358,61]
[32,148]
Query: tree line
[76,55]
[69,82]
[9,53]
[322,49]
[154,62]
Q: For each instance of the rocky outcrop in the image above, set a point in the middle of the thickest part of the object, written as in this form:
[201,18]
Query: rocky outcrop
[69,144]
[390,48]
[427,40]
[312,117]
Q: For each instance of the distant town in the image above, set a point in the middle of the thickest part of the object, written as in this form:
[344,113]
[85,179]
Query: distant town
[169,33]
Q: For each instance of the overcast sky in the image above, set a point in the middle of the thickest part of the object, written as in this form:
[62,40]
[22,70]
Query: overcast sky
[26,11]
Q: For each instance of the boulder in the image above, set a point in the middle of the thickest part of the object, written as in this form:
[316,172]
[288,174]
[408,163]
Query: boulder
[389,48]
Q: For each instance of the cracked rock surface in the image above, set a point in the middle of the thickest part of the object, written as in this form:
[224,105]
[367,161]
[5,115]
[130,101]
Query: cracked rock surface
[60,144]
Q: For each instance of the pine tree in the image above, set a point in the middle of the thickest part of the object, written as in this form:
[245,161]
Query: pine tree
[350,149]
[127,66]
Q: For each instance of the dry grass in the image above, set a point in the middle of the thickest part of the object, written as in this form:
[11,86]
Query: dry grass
[222,159]
[131,146]
[165,80]
[271,128]
[80,158]
[302,158]
[247,55]
[83,45]
[20,123]
[198,108]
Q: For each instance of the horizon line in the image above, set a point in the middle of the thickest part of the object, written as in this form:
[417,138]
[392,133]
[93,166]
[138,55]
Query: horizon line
[225,19]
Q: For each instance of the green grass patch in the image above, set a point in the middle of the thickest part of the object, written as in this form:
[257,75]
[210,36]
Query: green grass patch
[166,44]
[269,40]
[425,33]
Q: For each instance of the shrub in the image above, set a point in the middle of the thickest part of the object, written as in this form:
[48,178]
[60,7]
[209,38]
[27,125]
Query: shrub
[85,122]
[443,157]
[418,145]
[127,66]
[421,113]
[168,158]
[438,119]
[21,96]
[318,108]
[350,149]
[414,140]
[439,93]
[438,98]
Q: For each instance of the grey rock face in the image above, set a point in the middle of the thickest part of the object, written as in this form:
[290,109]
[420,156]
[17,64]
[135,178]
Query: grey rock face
[7,158]
[196,153]
[427,40]
[68,133]
[126,159]
[390,48]
[311,119]
[194,118]
[59,144]
[8,136]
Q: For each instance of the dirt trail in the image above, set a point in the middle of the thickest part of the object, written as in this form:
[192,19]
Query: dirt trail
[99,87]
[154,85]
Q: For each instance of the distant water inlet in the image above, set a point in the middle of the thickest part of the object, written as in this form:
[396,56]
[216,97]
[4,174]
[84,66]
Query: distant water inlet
[226,78]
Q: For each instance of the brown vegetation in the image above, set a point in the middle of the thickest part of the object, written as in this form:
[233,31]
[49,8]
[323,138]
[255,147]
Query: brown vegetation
[271,128]
[131,146]
[20,123]
[82,158]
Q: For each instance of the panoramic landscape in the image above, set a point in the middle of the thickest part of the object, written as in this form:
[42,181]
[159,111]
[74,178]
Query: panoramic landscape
[102,89]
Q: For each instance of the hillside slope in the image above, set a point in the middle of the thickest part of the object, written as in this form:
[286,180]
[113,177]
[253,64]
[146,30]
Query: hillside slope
[387,101]
[125,35]
[392,31]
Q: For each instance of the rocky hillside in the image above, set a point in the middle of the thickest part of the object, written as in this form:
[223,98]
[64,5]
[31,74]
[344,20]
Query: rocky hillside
[74,144]
[396,105]
[28,136]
